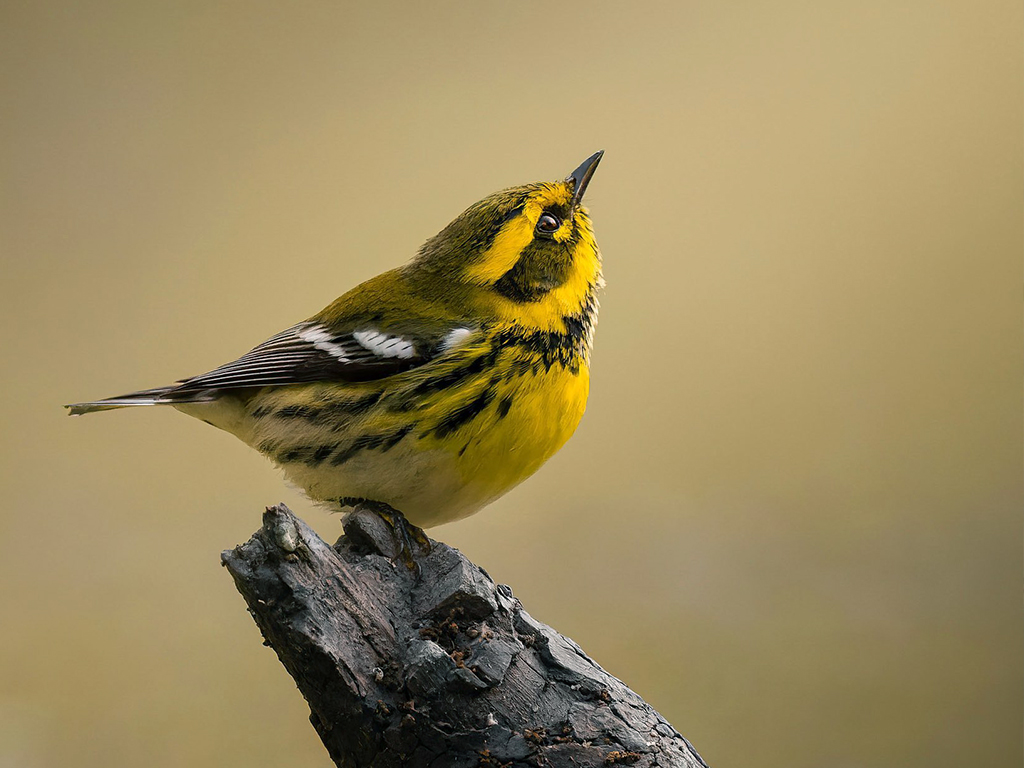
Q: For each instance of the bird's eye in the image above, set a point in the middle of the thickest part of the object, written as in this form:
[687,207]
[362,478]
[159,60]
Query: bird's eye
[548,223]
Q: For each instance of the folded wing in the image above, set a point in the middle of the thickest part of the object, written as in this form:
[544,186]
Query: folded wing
[305,352]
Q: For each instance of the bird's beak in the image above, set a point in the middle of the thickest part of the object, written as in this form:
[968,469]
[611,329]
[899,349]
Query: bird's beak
[581,176]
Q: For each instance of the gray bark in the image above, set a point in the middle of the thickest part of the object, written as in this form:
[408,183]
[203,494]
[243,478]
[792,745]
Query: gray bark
[437,666]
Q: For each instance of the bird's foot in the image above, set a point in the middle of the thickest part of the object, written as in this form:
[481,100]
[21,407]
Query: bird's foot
[405,537]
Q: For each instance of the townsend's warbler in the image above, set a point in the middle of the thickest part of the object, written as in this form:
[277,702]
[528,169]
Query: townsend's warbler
[433,388]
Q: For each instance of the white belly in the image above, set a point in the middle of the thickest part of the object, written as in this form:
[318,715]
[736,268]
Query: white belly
[425,485]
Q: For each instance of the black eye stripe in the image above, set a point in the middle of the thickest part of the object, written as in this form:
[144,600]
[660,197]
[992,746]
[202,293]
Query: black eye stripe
[511,214]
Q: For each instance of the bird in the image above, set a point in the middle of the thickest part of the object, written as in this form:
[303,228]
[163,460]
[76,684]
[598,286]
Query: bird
[432,389]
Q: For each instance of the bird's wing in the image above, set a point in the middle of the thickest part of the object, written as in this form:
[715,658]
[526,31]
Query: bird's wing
[307,352]
[310,351]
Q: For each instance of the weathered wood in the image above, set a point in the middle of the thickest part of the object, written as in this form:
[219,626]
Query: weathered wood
[438,667]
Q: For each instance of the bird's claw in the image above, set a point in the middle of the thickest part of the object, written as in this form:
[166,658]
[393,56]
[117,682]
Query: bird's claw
[406,535]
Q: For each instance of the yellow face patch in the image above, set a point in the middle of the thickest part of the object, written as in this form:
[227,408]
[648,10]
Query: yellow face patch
[518,232]
[504,251]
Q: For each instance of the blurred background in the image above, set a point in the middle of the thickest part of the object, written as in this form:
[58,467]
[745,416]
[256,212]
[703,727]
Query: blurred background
[791,518]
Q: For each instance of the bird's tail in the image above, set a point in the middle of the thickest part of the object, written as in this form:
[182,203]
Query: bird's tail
[170,395]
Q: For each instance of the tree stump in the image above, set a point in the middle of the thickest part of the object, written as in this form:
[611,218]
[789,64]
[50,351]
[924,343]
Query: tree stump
[437,666]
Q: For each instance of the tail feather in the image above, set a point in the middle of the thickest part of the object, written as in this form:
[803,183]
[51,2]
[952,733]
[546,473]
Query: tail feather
[159,396]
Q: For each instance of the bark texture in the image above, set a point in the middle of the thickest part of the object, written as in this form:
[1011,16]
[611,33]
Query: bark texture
[434,667]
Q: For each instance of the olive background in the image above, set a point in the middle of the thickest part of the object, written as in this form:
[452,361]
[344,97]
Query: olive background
[791,516]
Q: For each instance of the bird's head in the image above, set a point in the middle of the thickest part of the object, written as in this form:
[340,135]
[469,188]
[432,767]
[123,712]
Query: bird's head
[526,253]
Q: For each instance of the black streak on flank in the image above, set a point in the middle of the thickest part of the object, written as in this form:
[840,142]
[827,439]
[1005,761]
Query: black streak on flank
[320,455]
[365,442]
[262,411]
[297,453]
[504,405]
[477,365]
[352,407]
[464,413]
[320,414]
[295,412]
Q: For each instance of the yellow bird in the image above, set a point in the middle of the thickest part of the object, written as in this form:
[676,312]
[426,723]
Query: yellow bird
[436,387]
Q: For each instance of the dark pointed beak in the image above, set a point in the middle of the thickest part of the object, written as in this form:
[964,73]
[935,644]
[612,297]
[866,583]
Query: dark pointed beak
[581,176]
